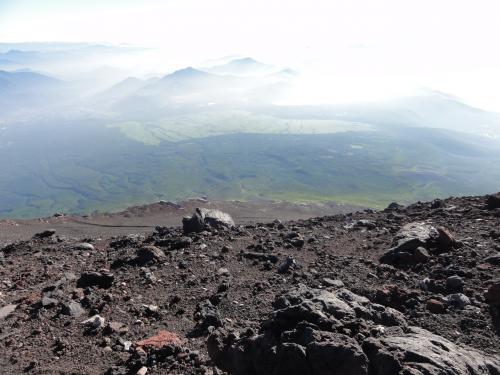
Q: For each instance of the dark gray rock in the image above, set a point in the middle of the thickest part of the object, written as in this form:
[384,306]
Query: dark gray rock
[493,201]
[291,359]
[417,351]
[181,243]
[493,259]
[45,234]
[303,336]
[493,293]
[84,246]
[73,309]
[457,300]
[103,279]
[340,355]
[455,282]
[49,302]
[149,254]
[332,283]
[412,241]
[288,264]
[322,308]
[365,224]
[204,218]
[206,315]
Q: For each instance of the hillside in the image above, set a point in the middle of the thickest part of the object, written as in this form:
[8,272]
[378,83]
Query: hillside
[404,290]
[82,145]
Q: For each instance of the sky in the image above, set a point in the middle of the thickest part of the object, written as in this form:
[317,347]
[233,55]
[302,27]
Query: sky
[347,49]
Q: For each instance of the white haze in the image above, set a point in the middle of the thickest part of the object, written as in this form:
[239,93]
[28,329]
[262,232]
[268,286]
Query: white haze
[355,50]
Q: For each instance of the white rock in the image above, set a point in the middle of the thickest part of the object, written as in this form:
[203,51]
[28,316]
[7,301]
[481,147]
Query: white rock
[94,322]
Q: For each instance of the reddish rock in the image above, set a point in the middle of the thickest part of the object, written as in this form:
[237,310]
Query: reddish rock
[435,307]
[162,339]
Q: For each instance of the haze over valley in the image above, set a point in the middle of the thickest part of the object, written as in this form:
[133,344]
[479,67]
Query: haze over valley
[103,140]
[320,102]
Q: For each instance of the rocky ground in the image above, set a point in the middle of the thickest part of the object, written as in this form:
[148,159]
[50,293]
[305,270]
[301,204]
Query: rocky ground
[407,290]
[143,219]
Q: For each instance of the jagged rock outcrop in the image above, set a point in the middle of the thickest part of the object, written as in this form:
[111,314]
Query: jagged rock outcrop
[318,332]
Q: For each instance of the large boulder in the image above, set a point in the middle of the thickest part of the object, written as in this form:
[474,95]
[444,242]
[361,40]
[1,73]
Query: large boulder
[204,218]
[417,351]
[302,351]
[493,201]
[411,243]
[318,332]
[493,293]
[303,336]
[325,308]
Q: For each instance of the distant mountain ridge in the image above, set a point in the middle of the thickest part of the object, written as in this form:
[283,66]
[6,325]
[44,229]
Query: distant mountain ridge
[244,67]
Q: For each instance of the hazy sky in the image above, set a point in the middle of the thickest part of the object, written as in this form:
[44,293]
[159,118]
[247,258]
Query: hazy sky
[365,47]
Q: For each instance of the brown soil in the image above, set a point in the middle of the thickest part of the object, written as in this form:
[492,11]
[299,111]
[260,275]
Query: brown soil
[40,339]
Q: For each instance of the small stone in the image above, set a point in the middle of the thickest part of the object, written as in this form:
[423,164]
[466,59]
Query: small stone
[116,327]
[84,246]
[142,371]
[152,309]
[6,311]
[493,259]
[181,243]
[287,265]
[457,300]
[455,282]
[45,234]
[226,249]
[223,272]
[435,306]
[48,302]
[127,345]
[332,283]
[73,309]
[103,279]
[94,323]
[147,254]
[297,242]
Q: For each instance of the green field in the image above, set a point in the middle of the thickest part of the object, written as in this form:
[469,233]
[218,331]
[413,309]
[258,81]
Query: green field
[84,166]
[214,123]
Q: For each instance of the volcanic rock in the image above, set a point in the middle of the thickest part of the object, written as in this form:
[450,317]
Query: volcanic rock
[45,234]
[103,279]
[493,293]
[204,218]
[493,201]
[417,351]
[148,254]
[410,244]
[160,340]
[493,259]
[7,310]
[73,309]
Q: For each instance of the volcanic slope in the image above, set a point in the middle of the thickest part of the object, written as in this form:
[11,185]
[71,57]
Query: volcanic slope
[406,290]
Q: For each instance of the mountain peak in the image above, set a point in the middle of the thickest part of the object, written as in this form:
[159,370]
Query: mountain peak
[187,72]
